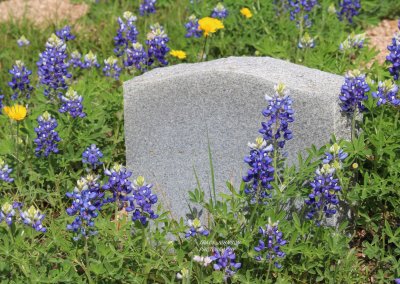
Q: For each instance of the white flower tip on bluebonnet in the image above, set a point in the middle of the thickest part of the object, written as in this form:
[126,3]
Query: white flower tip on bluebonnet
[76,54]
[55,41]
[334,149]
[81,184]
[46,116]
[23,41]
[129,16]
[220,7]
[111,60]
[332,9]
[139,181]
[281,90]
[7,208]
[325,170]
[306,41]
[205,261]
[192,17]
[260,143]
[71,94]
[137,45]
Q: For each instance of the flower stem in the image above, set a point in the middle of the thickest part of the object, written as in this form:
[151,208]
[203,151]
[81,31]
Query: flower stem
[353,125]
[204,49]
[87,270]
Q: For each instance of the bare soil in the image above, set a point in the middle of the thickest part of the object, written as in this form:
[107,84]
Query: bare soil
[381,36]
[42,12]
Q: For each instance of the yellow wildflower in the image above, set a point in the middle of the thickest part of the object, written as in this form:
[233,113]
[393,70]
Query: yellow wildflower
[246,12]
[15,112]
[178,54]
[210,25]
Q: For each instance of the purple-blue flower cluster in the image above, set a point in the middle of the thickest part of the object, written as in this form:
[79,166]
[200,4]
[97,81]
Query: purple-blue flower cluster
[261,171]
[23,41]
[20,82]
[354,92]
[65,34]
[7,212]
[111,68]
[136,56]
[126,34]
[118,184]
[196,228]
[47,137]
[271,243]
[193,28]
[387,92]
[86,203]
[219,12]
[323,199]
[34,218]
[301,8]
[53,67]
[89,61]
[141,201]
[5,171]
[1,102]
[348,9]
[92,156]
[76,59]
[72,103]
[280,113]
[394,55]
[225,261]
[157,41]
[147,7]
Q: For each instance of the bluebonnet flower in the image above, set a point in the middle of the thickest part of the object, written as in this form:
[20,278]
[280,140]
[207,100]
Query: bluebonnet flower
[5,171]
[111,68]
[348,9]
[157,41]
[271,242]
[394,56]
[298,6]
[332,9]
[219,12]
[353,92]
[323,198]
[72,103]
[126,34]
[23,41]
[141,201]
[306,41]
[193,28]
[147,7]
[335,156]
[47,137]
[397,281]
[86,203]
[76,59]
[1,102]
[20,82]
[34,218]
[281,6]
[53,66]
[352,42]
[65,34]
[90,60]
[118,184]
[387,92]
[225,261]
[261,171]
[196,228]
[7,212]
[136,56]
[92,156]
[280,113]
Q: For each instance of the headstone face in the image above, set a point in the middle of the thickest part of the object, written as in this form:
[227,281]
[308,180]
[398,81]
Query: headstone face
[172,113]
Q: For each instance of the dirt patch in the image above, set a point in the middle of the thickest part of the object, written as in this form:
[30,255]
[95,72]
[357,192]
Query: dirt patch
[381,36]
[42,12]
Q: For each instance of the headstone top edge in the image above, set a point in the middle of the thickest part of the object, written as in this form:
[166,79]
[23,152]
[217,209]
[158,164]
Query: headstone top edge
[267,68]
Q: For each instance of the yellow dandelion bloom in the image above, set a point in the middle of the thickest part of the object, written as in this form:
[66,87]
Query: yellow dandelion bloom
[178,54]
[210,25]
[15,112]
[246,12]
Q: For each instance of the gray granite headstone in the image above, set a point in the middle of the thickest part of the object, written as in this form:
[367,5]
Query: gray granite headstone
[170,112]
